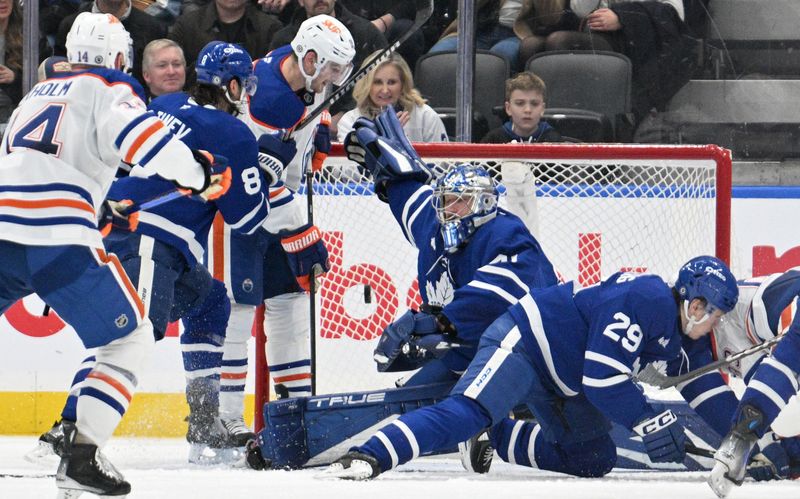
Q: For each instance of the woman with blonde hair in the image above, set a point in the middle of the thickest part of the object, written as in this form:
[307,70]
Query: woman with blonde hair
[391,83]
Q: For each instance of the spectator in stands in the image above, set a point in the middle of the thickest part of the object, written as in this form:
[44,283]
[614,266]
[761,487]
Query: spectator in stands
[164,10]
[495,30]
[284,9]
[393,18]
[365,35]
[524,104]
[233,21]
[391,83]
[651,33]
[10,57]
[537,21]
[143,28]
[163,67]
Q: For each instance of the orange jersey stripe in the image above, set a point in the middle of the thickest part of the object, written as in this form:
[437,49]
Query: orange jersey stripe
[111,381]
[112,259]
[291,377]
[277,192]
[233,375]
[47,203]
[218,245]
[149,131]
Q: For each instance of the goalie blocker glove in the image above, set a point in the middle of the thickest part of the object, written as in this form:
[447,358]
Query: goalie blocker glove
[412,340]
[306,252]
[381,147]
[274,154]
[663,437]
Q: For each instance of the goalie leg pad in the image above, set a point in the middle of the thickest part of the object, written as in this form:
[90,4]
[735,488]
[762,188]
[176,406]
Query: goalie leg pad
[317,430]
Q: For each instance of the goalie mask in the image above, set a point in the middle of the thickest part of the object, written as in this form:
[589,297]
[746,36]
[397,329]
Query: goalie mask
[465,198]
[219,62]
[709,279]
[99,40]
[330,40]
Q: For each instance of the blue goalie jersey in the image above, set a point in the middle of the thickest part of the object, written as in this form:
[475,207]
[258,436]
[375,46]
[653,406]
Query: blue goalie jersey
[474,285]
[594,340]
[184,223]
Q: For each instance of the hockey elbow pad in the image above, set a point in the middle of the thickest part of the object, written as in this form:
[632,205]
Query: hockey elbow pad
[307,254]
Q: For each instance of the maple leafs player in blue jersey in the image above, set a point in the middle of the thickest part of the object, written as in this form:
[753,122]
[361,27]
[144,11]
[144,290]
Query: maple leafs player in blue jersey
[772,379]
[164,254]
[277,269]
[568,355]
[60,153]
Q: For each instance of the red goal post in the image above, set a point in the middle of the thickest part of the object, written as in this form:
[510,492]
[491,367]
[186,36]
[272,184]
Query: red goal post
[599,208]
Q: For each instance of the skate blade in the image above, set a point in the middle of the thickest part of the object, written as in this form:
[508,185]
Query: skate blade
[358,470]
[42,455]
[719,482]
[204,455]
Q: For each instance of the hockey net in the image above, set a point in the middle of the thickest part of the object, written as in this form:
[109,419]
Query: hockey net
[600,209]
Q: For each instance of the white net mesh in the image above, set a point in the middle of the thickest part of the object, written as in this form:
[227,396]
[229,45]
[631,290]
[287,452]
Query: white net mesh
[599,209]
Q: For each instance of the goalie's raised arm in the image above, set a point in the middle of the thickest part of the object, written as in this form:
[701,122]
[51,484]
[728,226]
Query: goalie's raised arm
[382,148]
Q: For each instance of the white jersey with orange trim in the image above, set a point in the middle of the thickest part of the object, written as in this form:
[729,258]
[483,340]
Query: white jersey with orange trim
[61,150]
[766,307]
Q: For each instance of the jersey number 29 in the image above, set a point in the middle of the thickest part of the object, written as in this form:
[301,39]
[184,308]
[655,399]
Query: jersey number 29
[633,333]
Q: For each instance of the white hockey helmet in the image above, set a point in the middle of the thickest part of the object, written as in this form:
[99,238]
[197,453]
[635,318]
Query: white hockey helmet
[97,40]
[327,37]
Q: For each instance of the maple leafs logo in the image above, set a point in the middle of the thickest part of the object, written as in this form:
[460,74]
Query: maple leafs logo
[439,293]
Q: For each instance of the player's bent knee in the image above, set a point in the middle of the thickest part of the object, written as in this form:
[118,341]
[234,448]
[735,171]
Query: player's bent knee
[591,459]
[129,351]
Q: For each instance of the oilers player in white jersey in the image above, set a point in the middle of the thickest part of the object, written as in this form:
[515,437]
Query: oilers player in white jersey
[277,270]
[772,379]
[164,256]
[59,155]
[568,355]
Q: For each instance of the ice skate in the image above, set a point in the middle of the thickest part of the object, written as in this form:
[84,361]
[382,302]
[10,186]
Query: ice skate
[353,466]
[48,448]
[733,453]
[476,453]
[83,468]
[208,441]
[238,432]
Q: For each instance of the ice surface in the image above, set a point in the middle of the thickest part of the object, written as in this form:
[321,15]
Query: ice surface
[157,468]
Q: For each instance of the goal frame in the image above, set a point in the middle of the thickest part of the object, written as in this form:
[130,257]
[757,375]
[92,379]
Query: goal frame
[540,152]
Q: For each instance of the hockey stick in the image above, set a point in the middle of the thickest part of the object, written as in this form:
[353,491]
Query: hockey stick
[651,376]
[698,451]
[423,14]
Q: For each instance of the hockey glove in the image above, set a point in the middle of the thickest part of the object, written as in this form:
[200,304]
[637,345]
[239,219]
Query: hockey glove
[663,437]
[274,154]
[217,175]
[395,341]
[112,215]
[772,463]
[307,254]
[388,158]
[322,142]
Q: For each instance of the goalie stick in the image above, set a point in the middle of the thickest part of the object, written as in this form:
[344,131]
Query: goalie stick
[423,14]
[651,376]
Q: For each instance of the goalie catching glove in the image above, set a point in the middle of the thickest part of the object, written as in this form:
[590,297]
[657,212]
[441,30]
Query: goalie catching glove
[217,176]
[412,340]
[274,154]
[663,437]
[307,254]
[381,147]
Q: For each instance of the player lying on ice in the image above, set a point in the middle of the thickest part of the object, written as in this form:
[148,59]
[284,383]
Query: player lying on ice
[569,355]
[771,381]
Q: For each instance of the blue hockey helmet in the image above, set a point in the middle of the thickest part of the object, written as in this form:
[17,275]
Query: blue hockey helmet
[465,198]
[708,278]
[220,62]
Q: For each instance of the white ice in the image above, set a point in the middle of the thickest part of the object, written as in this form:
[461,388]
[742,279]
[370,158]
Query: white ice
[157,468]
